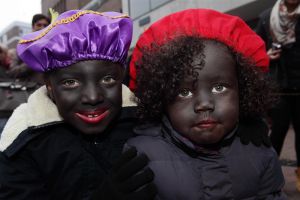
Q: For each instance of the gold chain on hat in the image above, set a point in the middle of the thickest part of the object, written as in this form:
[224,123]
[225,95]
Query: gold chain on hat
[68,20]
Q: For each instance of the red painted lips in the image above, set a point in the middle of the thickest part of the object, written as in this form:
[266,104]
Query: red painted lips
[92,117]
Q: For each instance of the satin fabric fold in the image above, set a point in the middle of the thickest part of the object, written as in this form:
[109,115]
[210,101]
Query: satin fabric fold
[89,37]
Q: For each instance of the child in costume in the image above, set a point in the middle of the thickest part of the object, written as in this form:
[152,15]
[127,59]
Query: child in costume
[62,144]
[198,76]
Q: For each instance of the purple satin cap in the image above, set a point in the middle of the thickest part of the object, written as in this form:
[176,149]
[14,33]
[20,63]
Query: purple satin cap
[77,35]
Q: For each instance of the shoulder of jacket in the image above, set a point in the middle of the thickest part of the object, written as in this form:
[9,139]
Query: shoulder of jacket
[30,115]
[258,153]
[128,113]
[153,146]
[26,136]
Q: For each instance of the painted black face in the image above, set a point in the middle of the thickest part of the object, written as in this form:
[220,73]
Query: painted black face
[88,94]
[207,109]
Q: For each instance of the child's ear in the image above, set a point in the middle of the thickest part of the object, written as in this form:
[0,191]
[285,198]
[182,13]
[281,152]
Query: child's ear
[50,91]
[49,87]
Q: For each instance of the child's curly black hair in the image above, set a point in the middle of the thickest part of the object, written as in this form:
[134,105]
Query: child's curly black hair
[162,68]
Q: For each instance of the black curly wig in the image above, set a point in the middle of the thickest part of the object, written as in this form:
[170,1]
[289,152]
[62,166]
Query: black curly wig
[162,68]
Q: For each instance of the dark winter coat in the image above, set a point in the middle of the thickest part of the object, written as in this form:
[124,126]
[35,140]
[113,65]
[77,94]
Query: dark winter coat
[230,171]
[286,70]
[44,158]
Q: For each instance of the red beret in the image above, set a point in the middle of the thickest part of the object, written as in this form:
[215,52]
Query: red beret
[210,24]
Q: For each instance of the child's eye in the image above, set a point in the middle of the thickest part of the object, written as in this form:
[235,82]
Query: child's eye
[70,83]
[219,89]
[185,93]
[108,79]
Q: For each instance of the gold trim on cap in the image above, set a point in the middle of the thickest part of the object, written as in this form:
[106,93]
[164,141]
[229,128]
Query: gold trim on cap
[67,20]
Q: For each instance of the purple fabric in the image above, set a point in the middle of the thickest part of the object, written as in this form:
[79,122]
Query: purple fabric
[89,37]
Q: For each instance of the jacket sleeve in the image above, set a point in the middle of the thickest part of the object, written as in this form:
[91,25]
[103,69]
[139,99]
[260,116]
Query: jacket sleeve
[19,179]
[272,181]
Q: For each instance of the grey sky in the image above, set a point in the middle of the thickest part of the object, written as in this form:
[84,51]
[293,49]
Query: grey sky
[17,10]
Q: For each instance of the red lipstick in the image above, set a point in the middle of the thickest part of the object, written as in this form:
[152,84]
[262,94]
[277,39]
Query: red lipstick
[92,117]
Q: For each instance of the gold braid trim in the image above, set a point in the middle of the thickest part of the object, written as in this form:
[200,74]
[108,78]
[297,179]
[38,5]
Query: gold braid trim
[70,19]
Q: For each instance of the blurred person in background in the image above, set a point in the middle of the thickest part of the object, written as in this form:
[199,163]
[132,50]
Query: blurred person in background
[18,69]
[4,61]
[14,68]
[39,21]
[279,27]
[4,65]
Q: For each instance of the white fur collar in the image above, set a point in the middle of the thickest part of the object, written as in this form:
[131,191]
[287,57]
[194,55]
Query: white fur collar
[40,110]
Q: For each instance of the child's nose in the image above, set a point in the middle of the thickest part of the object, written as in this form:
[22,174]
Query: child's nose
[203,102]
[92,95]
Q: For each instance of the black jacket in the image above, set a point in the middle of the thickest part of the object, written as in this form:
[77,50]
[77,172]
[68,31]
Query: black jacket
[51,160]
[286,70]
[230,170]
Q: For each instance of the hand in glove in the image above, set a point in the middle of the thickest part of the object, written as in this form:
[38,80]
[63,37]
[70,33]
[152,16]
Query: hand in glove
[254,131]
[128,180]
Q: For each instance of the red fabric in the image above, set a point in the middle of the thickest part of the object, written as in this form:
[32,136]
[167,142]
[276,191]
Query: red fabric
[210,24]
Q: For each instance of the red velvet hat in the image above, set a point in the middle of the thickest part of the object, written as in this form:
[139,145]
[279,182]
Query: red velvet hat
[210,24]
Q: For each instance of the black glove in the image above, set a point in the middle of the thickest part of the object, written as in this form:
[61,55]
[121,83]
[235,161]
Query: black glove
[128,180]
[254,131]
